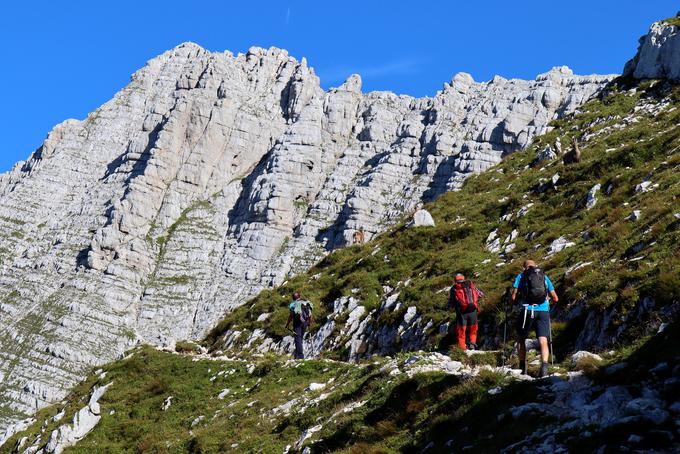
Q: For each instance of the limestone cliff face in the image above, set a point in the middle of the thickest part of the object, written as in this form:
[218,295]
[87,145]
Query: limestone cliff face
[212,176]
[658,56]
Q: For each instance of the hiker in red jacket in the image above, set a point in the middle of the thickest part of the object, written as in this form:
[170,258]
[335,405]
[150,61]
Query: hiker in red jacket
[464,297]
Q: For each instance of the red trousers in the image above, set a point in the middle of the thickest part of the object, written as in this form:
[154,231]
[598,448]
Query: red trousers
[466,326]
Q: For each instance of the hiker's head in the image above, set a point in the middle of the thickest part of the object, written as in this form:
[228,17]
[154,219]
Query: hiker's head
[296,295]
[460,277]
[529,264]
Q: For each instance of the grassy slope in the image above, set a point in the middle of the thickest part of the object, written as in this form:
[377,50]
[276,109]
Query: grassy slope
[243,421]
[616,152]
[399,414]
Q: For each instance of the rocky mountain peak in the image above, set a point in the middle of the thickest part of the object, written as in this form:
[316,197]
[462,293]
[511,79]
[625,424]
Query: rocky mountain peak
[658,55]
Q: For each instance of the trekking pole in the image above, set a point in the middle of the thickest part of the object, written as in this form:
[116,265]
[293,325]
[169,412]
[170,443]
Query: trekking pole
[505,325]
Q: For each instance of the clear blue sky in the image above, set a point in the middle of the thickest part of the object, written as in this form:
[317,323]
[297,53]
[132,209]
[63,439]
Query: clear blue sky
[62,59]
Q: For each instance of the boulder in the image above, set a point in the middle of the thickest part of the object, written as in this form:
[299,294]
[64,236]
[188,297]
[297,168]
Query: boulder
[423,218]
[559,245]
[584,355]
[591,200]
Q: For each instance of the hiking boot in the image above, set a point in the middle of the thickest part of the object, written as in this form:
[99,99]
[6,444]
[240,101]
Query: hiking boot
[472,346]
[523,367]
[544,370]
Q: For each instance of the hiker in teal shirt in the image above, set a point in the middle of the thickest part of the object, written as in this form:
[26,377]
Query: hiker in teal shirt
[301,316]
[536,291]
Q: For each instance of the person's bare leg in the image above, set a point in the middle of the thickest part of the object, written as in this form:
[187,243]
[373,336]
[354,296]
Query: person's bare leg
[545,351]
[522,353]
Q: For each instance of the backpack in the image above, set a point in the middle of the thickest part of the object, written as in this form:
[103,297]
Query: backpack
[302,311]
[534,289]
[466,296]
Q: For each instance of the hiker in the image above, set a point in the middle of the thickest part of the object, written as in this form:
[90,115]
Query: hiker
[301,316]
[359,236]
[464,297]
[535,291]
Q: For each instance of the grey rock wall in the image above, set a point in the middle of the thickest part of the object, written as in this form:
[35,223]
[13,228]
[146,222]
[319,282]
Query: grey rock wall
[212,176]
[658,56]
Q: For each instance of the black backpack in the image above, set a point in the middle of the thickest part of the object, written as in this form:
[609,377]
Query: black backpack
[306,314]
[302,311]
[534,289]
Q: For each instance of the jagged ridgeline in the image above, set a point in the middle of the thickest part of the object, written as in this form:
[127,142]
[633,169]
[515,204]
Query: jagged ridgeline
[211,177]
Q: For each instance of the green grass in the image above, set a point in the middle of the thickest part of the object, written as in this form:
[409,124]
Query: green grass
[673,21]
[134,422]
[420,262]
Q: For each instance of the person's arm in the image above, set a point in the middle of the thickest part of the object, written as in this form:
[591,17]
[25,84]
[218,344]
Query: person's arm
[551,290]
[515,288]
[290,319]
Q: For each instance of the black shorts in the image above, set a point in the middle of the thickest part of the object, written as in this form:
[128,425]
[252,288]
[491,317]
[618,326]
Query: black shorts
[540,322]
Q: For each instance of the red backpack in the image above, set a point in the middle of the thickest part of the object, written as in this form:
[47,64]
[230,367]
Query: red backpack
[466,296]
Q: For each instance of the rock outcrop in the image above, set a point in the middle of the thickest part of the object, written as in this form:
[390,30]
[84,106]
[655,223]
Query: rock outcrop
[212,176]
[658,56]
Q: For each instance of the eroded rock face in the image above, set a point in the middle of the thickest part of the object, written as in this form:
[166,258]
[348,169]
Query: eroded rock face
[212,176]
[658,56]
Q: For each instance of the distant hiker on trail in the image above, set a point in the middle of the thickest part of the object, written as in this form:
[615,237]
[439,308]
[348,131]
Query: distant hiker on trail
[359,236]
[536,291]
[464,297]
[301,316]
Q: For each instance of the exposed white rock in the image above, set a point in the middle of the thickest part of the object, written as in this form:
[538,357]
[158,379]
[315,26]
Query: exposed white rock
[591,199]
[224,393]
[570,271]
[634,216]
[559,245]
[306,434]
[315,387]
[658,56]
[82,424]
[423,218]
[14,428]
[197,420]
[167,403]
[645,186]
[547,154]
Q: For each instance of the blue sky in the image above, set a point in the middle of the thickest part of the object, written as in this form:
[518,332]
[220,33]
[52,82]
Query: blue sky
[63,59]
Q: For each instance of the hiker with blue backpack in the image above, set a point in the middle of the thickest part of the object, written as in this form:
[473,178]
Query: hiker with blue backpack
[535,292]
[300,314]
